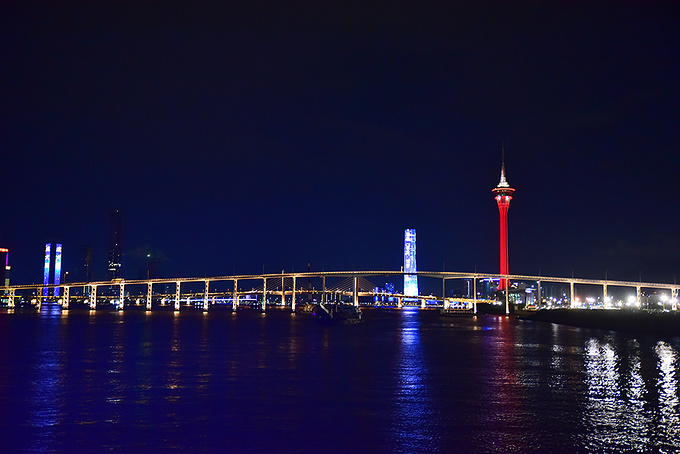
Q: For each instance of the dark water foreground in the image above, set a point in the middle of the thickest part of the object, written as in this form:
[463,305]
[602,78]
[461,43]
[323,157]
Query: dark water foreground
[403,381]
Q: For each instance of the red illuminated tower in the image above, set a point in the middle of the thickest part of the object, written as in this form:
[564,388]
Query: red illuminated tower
[503,194]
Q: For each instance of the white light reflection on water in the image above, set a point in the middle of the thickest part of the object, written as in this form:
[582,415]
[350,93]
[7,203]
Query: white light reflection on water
[415,414]
[669,424]
[621,414]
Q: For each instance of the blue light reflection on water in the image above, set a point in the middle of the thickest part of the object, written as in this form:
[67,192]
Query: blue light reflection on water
[414,413]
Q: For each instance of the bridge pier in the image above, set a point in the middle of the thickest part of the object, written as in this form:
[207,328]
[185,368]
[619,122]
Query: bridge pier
[178,285]
[355,291]
[638,291]
[283,291]
[507,298]
[234,302]
[39,298]
[292,298]
[604,296]
[474,295]
[205,296]
[323,290]
[445,304]
[67,297]
[400,304]
[674,299]
[264,294]
[93,297]
[149,295]
[10,303]
[121,295]
[571,294]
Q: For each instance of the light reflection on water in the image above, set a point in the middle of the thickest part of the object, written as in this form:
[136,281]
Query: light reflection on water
[667,383]
[624,411]
[414,412]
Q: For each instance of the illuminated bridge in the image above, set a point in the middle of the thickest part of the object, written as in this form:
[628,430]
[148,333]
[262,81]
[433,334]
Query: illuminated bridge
[324,287]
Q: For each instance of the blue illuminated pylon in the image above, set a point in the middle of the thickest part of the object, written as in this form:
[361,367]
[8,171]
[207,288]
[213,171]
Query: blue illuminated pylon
[46,268]
[410,281]
[57,268]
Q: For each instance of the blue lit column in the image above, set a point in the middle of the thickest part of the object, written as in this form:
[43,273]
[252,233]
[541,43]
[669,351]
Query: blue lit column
[46,268]
[57,269]
[410,281]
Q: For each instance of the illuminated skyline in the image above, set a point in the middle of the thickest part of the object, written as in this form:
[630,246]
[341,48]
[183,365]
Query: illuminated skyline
[239,137]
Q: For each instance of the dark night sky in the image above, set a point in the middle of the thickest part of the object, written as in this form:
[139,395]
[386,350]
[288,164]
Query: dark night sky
[283,133]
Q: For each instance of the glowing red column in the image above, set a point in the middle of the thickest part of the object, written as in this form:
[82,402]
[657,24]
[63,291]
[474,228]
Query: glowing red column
[503,194]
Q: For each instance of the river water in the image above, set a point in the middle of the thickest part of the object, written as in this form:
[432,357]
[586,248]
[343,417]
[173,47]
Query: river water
[404,381]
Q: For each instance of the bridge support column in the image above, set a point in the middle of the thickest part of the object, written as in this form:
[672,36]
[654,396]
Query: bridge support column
[400,304]
[474,295]
[507,298]
[234,301]
[66,298]
[571,294]
[10,303]
[674,299]
[323,290]
[638,296]
[356,291]
[422,303]
[283,291]
[205,295]
[264,294]
[292,298]
[178,287]
[121,299]
[539,295]
[445,304]
[149,295]
[93,297]
[605,298]
[39,299]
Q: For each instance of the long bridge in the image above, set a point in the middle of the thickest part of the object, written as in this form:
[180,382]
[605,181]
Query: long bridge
[348,287]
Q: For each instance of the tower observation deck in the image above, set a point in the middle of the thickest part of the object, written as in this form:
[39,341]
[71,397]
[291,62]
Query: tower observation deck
[503,193]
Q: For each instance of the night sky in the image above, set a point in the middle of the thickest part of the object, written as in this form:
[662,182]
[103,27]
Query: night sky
[266,136]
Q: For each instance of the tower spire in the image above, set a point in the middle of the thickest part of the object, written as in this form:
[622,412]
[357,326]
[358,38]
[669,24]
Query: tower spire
[503,183]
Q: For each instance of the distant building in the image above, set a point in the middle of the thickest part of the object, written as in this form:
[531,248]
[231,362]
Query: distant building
[86,261]
[410,282]
[4,267]
[153,267]
[52,267]
[115,264]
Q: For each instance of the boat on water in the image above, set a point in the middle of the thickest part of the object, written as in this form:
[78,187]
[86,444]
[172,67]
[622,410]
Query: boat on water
[346,314]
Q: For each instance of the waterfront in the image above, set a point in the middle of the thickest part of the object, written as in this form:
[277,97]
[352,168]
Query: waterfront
[403,381]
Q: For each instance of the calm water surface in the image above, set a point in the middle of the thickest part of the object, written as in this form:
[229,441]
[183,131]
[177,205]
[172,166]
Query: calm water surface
[402,382]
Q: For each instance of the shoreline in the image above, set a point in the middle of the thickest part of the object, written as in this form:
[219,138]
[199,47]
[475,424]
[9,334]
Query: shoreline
[629,321]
